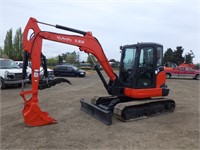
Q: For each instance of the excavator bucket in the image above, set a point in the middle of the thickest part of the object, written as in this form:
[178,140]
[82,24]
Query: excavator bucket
[97,112]
[34,116]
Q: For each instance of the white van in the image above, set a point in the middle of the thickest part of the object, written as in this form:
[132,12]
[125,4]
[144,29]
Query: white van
[10,73]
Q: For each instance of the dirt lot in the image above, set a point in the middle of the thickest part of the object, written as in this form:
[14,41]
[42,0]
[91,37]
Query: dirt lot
[77,130]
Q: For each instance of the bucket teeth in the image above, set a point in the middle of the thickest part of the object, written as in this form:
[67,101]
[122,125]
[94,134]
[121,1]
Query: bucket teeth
[98,113]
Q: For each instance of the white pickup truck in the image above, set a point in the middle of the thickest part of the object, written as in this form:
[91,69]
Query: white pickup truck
[42,77]
[10,73]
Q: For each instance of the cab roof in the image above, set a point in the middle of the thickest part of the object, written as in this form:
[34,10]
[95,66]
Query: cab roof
[139,44]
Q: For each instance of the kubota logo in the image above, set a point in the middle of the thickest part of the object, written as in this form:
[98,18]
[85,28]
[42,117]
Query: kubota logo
[62,38]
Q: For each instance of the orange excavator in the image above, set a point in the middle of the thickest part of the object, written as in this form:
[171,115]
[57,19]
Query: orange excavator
[136,92]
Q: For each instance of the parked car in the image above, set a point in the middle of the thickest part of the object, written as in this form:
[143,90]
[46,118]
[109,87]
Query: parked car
[68,70]
[28,70]
[182,72]
[10,73]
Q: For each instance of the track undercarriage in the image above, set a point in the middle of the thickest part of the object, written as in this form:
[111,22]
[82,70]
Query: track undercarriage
[103,108]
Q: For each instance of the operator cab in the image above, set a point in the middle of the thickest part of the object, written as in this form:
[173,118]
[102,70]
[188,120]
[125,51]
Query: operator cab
[140,64]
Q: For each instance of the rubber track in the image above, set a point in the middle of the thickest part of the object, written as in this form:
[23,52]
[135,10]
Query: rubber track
[133,111]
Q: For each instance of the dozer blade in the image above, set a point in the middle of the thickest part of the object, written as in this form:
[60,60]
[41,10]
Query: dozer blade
[98,113]
[33,116]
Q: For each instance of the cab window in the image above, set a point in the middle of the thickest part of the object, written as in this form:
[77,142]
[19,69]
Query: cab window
[146,57]
[159,56]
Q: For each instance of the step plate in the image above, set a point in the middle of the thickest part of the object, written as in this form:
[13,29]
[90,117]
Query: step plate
[98,113]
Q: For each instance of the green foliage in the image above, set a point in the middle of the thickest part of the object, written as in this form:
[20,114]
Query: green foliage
[52,60]
[8,46]
[176,56]
[169,56]
[2,54]
[189,57]
[13,48]
[71,58]
[17,45]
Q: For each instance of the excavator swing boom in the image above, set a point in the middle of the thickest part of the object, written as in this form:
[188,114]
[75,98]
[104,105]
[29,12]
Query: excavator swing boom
[123,89]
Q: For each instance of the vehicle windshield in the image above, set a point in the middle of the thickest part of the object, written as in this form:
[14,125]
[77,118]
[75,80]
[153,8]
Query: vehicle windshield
[75,68]
[8,64]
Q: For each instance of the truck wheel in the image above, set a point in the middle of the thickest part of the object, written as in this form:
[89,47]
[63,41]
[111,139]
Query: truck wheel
[197,77]
[168,76]
[2,84]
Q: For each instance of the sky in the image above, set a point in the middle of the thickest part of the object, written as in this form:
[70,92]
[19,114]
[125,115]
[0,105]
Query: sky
[114,23]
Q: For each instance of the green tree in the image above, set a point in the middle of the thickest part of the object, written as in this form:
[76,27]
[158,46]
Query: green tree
[8,45]
[178,58]
[71,58]
[169,56]
[189,57]
[52,61]
[17,45]
[2,54]
[13,48]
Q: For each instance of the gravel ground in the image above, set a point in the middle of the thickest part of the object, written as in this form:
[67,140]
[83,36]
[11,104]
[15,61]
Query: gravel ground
[78,130]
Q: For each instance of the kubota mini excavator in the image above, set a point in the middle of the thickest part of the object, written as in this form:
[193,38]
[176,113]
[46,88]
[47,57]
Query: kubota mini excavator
[141,77]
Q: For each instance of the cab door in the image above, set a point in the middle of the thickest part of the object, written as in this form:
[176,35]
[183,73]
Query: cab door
[147,65]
